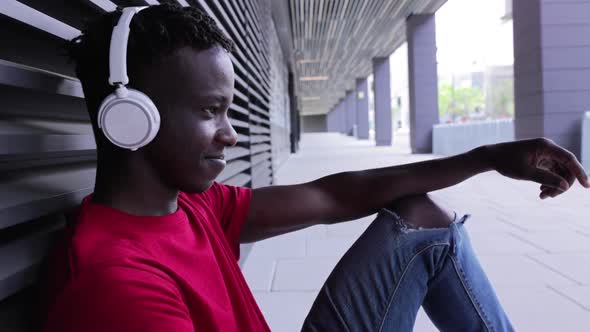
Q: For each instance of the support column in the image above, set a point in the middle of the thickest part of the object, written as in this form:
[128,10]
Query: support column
[350,105]
[423,81]
[551,70]
[341,117]
[362,108]
[335,120]
[330,124]
[382,82]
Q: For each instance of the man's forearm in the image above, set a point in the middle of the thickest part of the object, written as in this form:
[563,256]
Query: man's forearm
[357,193]
[278,209]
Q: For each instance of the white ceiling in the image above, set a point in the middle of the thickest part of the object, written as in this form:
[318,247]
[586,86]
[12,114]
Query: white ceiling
[335,40]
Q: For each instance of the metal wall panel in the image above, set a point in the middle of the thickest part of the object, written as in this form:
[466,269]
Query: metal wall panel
[47,148]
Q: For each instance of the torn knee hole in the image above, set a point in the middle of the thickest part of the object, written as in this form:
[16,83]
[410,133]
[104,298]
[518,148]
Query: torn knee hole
[405,226]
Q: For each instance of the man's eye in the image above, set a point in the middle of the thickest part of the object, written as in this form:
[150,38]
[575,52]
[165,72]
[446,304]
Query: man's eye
[209,111]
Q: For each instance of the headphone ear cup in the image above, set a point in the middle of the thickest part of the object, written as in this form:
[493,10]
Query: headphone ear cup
[129,122]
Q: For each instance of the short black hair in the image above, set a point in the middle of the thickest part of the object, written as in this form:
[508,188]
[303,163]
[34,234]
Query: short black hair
[156,31]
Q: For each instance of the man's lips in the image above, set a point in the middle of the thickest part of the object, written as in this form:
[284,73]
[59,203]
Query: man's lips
[216,156]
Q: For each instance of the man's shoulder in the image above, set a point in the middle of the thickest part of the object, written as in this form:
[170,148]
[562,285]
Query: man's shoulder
[121,271]
[217,193]
[219,198]
[107,252]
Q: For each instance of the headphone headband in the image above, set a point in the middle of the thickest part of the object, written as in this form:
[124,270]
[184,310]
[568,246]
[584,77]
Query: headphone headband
[118,49]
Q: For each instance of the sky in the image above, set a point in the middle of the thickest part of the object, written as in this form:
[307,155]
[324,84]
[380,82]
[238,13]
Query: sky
[471,36]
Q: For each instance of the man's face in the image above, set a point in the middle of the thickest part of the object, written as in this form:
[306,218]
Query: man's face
[192,90]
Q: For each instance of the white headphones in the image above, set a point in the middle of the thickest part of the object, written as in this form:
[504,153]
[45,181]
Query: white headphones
[128,117]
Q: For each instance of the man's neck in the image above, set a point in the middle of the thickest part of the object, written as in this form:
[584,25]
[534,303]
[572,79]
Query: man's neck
[134,189]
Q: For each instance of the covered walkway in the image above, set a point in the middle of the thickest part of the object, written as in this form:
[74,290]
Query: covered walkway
[537,253]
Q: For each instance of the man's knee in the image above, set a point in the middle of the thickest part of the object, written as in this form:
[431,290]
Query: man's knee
[421,211]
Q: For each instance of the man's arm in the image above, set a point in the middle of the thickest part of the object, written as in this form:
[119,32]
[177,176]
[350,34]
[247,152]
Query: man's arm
[350,195]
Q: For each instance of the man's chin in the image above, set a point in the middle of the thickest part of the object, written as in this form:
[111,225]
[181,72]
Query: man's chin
[198,187]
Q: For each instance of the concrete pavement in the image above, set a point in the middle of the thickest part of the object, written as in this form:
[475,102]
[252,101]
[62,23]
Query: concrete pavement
[536,253]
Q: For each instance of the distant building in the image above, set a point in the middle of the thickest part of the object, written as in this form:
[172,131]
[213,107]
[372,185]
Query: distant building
[499,91]
[508,11]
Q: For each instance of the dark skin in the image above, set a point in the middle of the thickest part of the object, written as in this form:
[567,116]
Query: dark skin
[193,91]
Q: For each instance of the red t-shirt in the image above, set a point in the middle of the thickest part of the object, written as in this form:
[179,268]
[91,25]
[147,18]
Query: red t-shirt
[179,272]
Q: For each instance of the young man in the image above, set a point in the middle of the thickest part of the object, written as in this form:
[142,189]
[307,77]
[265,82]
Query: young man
[155,247]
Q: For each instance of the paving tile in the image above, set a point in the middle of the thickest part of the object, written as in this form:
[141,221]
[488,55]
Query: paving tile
[287,245]
[564,241]
[500,243]
[490,224]
[285,311]
[307,274]
[574,266]
[578,294]
[316,232]
[532,224]
[352,228]
[540,309]
[423,323]
[581,224]
[520,271]
[329,247]
[535,219]
[259,273]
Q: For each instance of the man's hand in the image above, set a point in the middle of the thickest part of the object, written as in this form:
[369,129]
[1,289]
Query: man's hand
[539,160]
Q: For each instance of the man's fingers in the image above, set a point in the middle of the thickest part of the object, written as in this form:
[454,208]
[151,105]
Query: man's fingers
[550,192]
[577,169]
[565,173]
[569,160]
[550,179]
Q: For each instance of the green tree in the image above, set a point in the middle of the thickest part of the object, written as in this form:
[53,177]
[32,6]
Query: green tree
[503,99]
[445,99]
[458,101]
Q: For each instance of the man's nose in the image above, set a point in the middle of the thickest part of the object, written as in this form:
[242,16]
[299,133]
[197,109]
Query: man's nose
[227,134]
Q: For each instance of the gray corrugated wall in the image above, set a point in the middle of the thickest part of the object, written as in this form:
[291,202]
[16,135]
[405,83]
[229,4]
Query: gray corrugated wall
[279,109]
[47,151]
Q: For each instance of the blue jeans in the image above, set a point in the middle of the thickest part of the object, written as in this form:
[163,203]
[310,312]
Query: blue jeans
[392,270]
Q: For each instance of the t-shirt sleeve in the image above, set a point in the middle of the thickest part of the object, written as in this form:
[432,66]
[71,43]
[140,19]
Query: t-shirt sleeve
[231,208]
[119,299]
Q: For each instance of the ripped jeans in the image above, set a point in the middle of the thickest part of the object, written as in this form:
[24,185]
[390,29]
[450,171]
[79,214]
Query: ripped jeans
[393,269]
